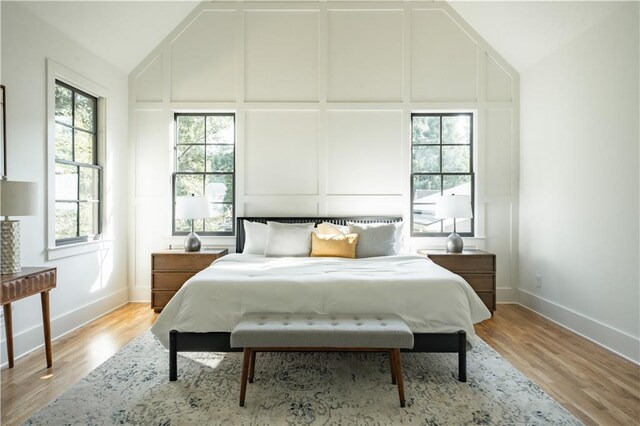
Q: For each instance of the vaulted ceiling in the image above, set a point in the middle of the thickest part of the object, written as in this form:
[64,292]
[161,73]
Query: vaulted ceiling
[120,32]
[124,32]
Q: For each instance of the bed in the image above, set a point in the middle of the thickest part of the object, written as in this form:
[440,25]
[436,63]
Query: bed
[439,306]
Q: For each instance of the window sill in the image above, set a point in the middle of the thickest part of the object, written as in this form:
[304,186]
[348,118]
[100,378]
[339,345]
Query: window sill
[76,249]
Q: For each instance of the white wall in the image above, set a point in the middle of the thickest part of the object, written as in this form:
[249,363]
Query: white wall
[323,94]
[89,284]
[579,184]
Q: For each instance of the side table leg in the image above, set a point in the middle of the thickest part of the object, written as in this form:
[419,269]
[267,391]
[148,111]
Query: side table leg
[8,328]
[46,324]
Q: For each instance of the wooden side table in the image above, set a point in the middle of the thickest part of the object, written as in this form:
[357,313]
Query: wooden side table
[170,269]
[28,282]
[477,267]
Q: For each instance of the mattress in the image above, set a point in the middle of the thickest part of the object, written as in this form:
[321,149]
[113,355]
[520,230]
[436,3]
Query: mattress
[428,297]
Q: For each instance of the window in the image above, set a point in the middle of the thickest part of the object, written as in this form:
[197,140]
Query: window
[77,172]
[441,164]
[205,165]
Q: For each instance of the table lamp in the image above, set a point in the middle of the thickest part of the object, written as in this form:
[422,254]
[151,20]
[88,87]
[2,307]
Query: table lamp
[192,208]
[16,199]
[454,207]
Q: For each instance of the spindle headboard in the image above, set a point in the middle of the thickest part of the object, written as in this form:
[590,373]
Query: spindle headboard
[240,236]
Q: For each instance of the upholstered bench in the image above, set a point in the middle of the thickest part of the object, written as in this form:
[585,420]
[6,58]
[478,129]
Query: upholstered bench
[267,332]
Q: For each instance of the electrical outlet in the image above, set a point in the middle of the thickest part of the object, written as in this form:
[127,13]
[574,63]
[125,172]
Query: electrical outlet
[538,280]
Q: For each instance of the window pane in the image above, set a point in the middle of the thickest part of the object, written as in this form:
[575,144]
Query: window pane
[426,159]
[89,182]
[426,130]
[220,188]
[220,129]
[462,225]
[84,112]
[191,158]
[66,182]
[220,158]
[63,105]
[184,225]
[66,220]
[456,159]
[189,184]
[83,144]
[190,129]
[426,189]
[456,129]
[424,218]
[222,220]
[89,219]
[457,185]
[64,144]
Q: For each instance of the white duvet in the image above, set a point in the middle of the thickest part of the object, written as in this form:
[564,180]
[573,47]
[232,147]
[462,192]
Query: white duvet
[428,297]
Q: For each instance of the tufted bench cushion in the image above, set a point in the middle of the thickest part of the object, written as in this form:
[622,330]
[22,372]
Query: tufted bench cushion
[259,330]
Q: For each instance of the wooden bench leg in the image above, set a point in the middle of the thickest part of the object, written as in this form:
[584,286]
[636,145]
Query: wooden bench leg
[393,368]
[252,366]
[398,371]
[245,372]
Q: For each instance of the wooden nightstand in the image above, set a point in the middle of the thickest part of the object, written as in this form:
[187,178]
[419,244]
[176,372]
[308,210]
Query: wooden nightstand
[170,269]
[477,267]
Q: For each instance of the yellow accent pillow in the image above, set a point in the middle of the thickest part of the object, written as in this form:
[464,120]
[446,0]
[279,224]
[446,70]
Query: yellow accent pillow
[334,245]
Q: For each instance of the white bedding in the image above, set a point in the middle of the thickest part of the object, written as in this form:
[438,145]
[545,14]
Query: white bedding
[428,297]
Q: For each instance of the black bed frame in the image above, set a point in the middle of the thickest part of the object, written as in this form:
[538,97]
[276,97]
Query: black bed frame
[219,341]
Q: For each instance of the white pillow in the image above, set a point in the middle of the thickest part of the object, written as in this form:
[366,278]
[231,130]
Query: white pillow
[398,246]
[328,228]
[375,239]
[255,237]
[288,239]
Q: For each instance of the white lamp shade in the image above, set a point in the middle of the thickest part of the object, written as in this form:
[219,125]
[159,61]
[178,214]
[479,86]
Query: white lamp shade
[454,207]
[216,191]
[193,208]
[18,198]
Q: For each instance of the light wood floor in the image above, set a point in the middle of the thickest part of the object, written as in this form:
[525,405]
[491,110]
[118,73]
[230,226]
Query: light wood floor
[595,385]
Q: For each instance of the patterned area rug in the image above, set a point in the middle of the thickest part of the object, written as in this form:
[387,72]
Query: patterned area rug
[132,387]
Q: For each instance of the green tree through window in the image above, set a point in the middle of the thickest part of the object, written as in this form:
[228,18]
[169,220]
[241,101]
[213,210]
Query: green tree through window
[205,165]
[77,171]
[441,164]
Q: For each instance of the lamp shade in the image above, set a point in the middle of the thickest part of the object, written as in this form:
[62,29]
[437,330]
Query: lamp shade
[192,208]
[454,207]
[18,198]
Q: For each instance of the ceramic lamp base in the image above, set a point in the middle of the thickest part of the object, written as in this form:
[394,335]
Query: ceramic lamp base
[10,246]
[192,242]
[454,243]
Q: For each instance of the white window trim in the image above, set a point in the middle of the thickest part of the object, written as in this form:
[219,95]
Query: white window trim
[56,71]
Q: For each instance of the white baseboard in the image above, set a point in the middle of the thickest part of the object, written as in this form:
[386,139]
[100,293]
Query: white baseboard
[140,294]
[616,341]
[32,339]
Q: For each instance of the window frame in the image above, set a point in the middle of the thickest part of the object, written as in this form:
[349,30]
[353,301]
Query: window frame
[175,172]
[470,173]
[94,165]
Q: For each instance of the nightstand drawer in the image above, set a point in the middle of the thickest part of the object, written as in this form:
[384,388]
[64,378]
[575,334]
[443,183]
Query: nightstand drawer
[159,299]
[170,280]
[183,261]
[489,299]
[480,282]
[461,263]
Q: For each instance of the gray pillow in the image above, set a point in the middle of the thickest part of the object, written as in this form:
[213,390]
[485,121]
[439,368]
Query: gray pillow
[376,239]
[288,239]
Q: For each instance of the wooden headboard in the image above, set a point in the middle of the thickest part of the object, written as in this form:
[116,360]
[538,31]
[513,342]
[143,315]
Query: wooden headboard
[335,220]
